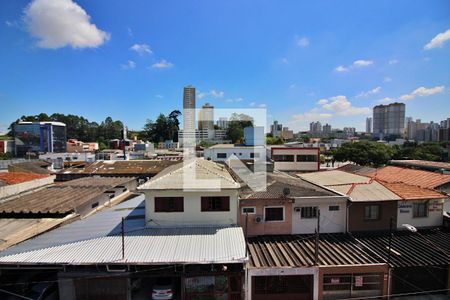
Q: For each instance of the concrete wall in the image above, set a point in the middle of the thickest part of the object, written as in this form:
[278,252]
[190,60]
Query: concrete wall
[330,221]
[296,165]
[263,228]
[192,214]
[405,214]
[240,152]
[14,189]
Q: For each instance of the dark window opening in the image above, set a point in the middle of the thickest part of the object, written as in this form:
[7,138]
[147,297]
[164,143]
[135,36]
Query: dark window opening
[273,214]
[215,203]
[169,204]
[307,158]
[372,212]
[281,158]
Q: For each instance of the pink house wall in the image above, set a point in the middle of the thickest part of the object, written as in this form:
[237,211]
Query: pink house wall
[265,228]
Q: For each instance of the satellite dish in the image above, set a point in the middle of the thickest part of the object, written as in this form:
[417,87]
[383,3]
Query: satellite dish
[286,191]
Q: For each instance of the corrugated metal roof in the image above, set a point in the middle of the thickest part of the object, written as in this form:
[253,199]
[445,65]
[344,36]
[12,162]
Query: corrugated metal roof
[122,167]
[333,177]
[174,177]
[373,191]
[103,223]
[146,246]
[425,179]
[298,251]
[356,169]
[62,198]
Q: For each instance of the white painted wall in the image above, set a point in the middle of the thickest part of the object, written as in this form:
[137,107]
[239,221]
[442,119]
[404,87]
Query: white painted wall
[405,214]
[240,152]
[295,166]
[192,214]
[14,189]
[330,221]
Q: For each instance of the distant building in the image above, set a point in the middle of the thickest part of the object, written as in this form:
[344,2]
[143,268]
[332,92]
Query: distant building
[223,123]
[206,117]
[74,145]
[295,158]
[389,121]
[189,108]
[349,131]
[39,137]
[211,136]
[369,125]
[254,136]
[326,129]
[315,128]
[275,129]
[7,146]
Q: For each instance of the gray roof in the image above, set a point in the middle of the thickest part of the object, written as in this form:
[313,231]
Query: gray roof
[185,245]
[373,191]
[333,177]
[103,223]
[277,182]
[180,176]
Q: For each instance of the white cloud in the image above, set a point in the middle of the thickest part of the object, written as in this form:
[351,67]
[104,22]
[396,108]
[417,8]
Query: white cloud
[362,63]
[369,93]
[252,103]
[211,93]
[438,41]
[341,69]
[61,23]
[393,61]
[387,79]
[262,105]
[130,32]
[311,115]
[234,100]
[302,42]
[386,100]
[423,92]
[342,106]
[322,102]
[159,96]
[162,64]
[142,49]
[129,65]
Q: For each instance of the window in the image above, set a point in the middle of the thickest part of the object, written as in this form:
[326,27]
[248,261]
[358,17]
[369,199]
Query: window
[283,157]
[372,212]
[215,203]
[309,212]
[307,158]
[274,213]
[420,210]
[333,207]
[221,155]
[254,155]
[249,210]
[169,204]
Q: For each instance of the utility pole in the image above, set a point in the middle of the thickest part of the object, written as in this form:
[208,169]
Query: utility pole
[316,252]
[123,238]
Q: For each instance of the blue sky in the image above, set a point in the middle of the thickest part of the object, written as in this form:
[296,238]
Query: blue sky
[303,61]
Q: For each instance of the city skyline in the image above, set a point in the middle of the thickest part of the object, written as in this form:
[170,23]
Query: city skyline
[132,68]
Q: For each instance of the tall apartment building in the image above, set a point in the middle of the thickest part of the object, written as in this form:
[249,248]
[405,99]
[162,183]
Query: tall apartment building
[189,108]
[275,129]
[389,121]
[315,127]
[223,123]
[206,117]
[326,129]
[368,125]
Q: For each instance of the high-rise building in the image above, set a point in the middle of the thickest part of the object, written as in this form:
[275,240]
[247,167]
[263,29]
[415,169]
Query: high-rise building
[369,125]
[349,131]
[206,117]
[326,129]
[389,121]
[189,108]
[315,127]
[39,137]
[275,129]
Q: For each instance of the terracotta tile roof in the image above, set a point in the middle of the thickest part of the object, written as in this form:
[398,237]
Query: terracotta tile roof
[19,177]
[420,178]
[412,192]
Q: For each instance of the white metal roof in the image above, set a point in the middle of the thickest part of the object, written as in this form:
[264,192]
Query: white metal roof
[185,245]
[195,174]
[333,177]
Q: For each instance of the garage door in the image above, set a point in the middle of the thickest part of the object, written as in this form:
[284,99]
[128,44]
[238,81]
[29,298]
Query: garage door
[282,287]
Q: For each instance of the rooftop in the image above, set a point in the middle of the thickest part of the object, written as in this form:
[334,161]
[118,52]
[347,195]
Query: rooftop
[425,179]
[422,164]
[61,198]
[356,169]
[333,177]
[179,176]
[19,177]
[373,191]
[412,192]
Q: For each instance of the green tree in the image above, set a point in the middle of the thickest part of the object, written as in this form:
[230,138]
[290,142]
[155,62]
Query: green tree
[365,153]
[236,125]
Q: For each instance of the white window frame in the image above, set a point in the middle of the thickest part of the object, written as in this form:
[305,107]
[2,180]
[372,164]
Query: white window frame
[253,213]
[309,218]
[277,206]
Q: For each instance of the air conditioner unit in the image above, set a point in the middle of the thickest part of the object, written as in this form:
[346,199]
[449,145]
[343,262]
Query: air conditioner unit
[297,209]
[258,219]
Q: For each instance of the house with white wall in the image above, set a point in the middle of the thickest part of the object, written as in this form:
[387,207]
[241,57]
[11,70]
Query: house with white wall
[223,152]
[195,192]
[295,158]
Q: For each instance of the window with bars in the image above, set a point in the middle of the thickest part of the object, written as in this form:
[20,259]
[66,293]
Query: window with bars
[372,212]
[420,210]
[281,158]
[309,212]
[307,158]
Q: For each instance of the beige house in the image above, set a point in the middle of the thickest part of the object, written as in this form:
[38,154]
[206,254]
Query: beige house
[195,192]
